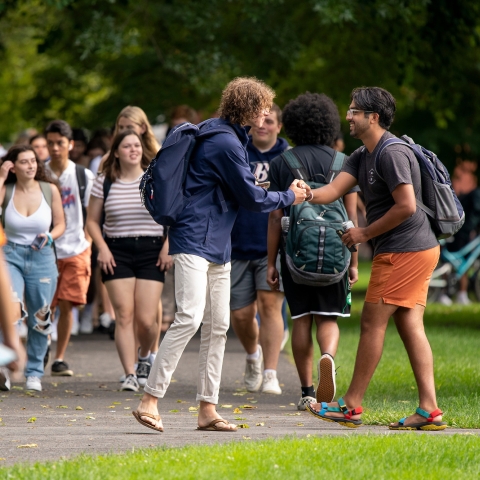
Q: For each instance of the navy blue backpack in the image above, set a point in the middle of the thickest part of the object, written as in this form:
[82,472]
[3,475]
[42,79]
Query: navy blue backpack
[440,203]
[162,184]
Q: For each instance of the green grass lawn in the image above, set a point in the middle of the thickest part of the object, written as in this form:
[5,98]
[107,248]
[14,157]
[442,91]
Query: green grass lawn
[454,334]
[402,456]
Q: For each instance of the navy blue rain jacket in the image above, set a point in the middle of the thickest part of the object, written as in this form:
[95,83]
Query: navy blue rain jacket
[203,228]
[249,234]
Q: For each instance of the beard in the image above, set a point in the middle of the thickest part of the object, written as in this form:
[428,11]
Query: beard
[358,129]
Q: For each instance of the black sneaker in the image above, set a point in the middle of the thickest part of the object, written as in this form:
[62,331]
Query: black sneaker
[60,369]
[143,371]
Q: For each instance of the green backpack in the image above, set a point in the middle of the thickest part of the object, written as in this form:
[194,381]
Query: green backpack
[315,254]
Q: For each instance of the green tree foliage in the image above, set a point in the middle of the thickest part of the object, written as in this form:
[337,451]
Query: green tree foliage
[83,60]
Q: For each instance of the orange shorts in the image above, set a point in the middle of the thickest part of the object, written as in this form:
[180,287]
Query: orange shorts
[402,278]
[73,278]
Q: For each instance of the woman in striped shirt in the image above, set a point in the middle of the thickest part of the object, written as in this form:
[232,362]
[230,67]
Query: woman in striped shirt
[133,253]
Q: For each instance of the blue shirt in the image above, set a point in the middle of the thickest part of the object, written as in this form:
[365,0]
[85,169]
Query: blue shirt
[203,228]
[249,234]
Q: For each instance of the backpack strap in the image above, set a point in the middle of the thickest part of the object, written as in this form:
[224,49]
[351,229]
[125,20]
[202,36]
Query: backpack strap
[107,184]
[82,186]
[295,165]
[336,166]
[407,142]
[47,192]
[6,200]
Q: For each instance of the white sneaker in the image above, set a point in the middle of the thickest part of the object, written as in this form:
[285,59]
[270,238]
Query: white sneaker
[326,379]
[462,298]
[445,300]
[286,336]
[303,402]
[253,373]
[105,319]
[123,377]
[86,320]
[270,384]
[130,384]
[34,383]
[4,380]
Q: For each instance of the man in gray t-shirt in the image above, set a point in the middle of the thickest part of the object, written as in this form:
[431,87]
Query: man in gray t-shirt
[405,255]
[397,165]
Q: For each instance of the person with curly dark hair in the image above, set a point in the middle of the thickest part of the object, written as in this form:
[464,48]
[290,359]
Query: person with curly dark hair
[312,122]
[218,182]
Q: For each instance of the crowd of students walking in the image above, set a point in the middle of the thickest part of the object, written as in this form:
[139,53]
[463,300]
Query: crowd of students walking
[227,260]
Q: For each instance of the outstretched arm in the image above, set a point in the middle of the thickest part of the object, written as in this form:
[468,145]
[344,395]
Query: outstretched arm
[342,184]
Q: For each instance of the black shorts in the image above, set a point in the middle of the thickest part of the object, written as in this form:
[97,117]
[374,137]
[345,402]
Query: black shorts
[136,257]
[332,300]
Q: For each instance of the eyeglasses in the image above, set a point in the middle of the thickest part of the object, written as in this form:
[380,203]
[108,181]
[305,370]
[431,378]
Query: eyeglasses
[353,111]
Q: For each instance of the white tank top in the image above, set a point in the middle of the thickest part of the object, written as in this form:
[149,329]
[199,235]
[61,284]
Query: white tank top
[23,230]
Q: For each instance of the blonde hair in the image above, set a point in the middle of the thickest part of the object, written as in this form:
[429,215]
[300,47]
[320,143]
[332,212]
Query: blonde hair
[245,98]
[138,116]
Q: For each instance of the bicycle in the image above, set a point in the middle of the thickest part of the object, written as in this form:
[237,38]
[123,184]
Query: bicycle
[452,266]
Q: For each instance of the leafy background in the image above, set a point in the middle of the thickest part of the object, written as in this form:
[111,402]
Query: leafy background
[84,60]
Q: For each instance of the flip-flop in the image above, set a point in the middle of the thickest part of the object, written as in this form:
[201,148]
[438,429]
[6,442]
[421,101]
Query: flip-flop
[214,427]
[429,424]
[346,420]
[138,416]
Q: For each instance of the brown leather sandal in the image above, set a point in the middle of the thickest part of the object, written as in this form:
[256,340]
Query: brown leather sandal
[214,427]
[138,416]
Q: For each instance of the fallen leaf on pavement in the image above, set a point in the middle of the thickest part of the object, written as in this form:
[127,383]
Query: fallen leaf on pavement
[116,403]
[247,406]
[32,420]
[243,425]
[237,410]
[246,438]
[300,425]
[253,401]
[240,418]
[89,418]
[293,414]
[15,387]
[78,408]
[62,406]
[192,409]
[261,424]
[174,411]
[226,406]
[292,404]
[54,384]
[126,408]
[69,391]
[28,445]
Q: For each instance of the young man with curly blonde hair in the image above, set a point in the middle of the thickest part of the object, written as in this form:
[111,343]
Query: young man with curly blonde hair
[218,181]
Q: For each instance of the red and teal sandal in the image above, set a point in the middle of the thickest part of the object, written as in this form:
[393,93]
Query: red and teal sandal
[428,424]
[346,420]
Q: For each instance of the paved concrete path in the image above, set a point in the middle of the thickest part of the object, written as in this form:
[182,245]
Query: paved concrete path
[88,414]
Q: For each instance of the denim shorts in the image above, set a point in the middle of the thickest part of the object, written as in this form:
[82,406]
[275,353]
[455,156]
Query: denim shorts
[135,257]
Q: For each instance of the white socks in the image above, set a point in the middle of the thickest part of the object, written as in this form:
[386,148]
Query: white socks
[254,356]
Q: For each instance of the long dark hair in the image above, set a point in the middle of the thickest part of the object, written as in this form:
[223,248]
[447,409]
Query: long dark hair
[12,156]
[111,167]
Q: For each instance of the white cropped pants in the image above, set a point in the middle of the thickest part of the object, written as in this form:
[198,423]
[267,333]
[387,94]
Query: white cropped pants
[202,291]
